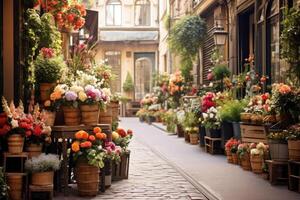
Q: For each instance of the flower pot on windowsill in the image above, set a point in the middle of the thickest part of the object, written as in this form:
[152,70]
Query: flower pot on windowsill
[45,90]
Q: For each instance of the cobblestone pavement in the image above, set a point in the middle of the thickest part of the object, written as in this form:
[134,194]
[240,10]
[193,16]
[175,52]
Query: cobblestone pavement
[150,177]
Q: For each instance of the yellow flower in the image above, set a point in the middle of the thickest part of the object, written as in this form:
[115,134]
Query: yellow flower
[82,96]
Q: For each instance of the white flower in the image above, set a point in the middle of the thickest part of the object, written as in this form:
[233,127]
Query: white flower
[211,84]
[99,147]
[211,115]
[205,115]
[14,123]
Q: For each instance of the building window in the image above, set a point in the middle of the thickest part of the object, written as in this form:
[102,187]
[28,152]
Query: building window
[113,13]
[273,53]
[114,60]
[142,13]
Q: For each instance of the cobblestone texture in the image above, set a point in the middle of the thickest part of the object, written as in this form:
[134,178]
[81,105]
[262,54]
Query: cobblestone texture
[150,177]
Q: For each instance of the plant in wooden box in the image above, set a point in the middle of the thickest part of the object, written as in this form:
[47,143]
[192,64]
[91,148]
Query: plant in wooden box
[89,156]
[37,133]
[257,156]
[42,169]
[3,186]
[294,142]
[122,138]
[278,145]
[48,69]
[244,155]
[231,148]
[15,128]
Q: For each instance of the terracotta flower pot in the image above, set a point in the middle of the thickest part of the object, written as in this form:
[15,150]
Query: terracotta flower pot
[34,150]
[45,90]
[71,116]
[15,144]
[294,149]
[87,178]
[89,114]
[194,138]
[42,178]
[15,183]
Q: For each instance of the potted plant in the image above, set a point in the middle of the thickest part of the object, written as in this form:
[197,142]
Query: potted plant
[3,186]
[89,158]
[49,111]
[212,123]
[257,156]
[180,115]
[190,125]
[128,85]
[278,145]
[244,155]
[14,129]
[294,142]
[231,149]
[42,169]
[48,68]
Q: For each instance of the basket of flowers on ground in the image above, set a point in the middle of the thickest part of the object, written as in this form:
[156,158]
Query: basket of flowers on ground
[244,155]
[231,148]
[121,138]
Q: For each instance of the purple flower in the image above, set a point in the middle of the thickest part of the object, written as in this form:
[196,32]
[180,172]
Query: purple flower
[71,96]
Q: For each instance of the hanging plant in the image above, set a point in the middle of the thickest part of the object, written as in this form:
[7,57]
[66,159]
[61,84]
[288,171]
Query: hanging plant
[290,41]
[186,37]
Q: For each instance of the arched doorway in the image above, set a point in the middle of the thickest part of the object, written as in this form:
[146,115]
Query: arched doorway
[144,68]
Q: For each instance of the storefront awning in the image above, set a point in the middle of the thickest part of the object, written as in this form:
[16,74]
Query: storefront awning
[115,36]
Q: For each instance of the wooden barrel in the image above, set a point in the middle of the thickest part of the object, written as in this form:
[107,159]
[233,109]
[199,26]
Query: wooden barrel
[42,178]
[89,114]
[294,150]
[234,158]
[114,110]
[71,115]
[34,150]
[194,139]
[87,178]
[229,156]
[256,163]
[50,118]
[105,116]
[15,144]
[245,162]
[15,182]
[45,90]
[279,151]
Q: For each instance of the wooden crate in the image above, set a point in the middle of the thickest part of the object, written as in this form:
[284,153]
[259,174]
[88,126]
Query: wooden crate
[120,171]
[294,175]
[253,133]
[278,172]
[213,145]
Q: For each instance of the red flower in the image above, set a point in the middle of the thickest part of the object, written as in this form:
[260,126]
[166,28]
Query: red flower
[129,132]
[28,133]
[121,132]
[37,130]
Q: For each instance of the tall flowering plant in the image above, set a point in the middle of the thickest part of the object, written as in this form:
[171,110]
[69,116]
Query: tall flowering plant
[208,101]
[176,87]
[211,119]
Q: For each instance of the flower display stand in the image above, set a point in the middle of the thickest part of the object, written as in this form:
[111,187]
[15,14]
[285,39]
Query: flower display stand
[294,175]
[253,133]
[120,171]
[44,189]
[213,145]
[278,172]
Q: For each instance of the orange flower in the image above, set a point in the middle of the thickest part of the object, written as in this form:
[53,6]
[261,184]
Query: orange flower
[97,130]
[85,135]
[284,89]
[92,138]
[55,95]
[104,136]
[99,136]
[86,144]
[78,135]
[47,103]
[75,147]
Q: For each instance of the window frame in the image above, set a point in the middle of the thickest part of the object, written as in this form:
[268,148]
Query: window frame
[108,3]
[135,13]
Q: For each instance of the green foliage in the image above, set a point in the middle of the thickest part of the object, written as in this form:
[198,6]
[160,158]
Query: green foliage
[48,70]
[128,85]
[186,37]
[43,163]
[50,37]
[220,71]
[3,186]
[190,120]
[290,41]
[231,110]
